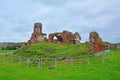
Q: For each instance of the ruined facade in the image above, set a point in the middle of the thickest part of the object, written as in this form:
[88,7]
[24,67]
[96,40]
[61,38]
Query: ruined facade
[95,43]
[37,35]
[57,37]
[64,37]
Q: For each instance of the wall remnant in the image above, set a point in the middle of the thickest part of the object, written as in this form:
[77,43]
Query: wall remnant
[95,43]
[64,37]
[57,37]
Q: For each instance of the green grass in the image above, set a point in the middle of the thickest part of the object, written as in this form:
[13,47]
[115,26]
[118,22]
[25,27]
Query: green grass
[81,71]
[6,51]
[53,50]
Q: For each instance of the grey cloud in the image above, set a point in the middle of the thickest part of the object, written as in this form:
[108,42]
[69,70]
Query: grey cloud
[81,16]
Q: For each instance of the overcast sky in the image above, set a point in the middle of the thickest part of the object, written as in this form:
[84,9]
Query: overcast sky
[17,18]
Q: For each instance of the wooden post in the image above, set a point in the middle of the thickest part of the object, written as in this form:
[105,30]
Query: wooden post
[71,62]
[20,60]
[40,63]
[28,62]
[55,62]
[88,62]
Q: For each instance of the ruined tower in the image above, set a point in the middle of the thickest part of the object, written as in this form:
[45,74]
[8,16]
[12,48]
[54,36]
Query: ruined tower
[37,35]
[38,28]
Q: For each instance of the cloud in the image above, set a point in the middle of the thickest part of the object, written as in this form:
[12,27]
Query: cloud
[83,16]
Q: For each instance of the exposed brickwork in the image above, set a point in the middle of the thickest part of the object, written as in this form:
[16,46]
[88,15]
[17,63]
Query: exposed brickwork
[61,37]
[58,38]
[37,35]
[64,37]
[96,43]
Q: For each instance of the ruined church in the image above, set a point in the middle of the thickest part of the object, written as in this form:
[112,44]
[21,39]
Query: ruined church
[61,37]
[96,44]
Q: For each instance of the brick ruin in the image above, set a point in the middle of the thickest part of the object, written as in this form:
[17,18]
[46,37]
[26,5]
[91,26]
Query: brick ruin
[95,43]
[61,37]
[37,35]
[65,37]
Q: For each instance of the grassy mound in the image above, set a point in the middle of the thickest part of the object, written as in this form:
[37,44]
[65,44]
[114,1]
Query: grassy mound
[53,50]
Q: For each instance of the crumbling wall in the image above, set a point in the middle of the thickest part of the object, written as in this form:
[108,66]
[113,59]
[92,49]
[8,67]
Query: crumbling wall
[77,38]
[57,35]
[61,37]
[67,37]
[64,37]
[95,43]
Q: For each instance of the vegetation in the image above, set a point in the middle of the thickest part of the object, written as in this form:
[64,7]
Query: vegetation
[53,50]
[11,47]
[7,51]
[110,70]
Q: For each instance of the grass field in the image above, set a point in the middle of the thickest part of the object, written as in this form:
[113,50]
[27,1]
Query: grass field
[110,70]
[6,51]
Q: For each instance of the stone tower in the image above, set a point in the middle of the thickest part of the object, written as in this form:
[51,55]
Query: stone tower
[38,28]
[37,35]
